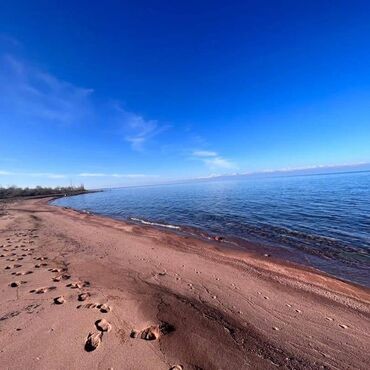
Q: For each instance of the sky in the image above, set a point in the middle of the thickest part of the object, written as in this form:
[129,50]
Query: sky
[122,93]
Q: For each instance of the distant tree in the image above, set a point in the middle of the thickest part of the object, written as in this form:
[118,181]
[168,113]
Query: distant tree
[14,191]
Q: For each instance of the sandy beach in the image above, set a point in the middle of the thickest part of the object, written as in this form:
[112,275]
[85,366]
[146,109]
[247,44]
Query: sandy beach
[80,291]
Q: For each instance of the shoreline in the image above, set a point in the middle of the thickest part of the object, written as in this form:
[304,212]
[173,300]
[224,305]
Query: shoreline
[167,298]
[254,246]
[235,251]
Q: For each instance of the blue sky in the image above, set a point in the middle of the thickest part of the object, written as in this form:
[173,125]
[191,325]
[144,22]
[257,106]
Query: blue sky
[138,92]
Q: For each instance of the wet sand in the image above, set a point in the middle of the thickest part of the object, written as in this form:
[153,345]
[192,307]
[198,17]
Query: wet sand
[80,291]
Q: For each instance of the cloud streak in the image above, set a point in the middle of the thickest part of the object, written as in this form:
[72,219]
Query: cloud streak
[48,175]
[137,130]
[70,175]
[34,95]
[117,175]
[204,153]
[213,160]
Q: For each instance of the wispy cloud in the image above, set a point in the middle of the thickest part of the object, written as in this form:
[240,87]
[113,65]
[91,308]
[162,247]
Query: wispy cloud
[117,175]
[48,175]
[204,153]
[137,130]
[9,40]
[36,95]
[219,162]
[70,175]
[213,160]
[30,94]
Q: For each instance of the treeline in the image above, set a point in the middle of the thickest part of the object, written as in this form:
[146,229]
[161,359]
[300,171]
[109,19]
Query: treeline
[14,191]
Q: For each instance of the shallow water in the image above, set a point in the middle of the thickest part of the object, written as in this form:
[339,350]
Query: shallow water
[322,221]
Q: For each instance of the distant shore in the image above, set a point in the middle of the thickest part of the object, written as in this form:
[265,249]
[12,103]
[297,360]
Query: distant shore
[109,294]
[48,195]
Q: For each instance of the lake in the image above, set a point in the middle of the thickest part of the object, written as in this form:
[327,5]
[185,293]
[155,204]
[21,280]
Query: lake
[321,220]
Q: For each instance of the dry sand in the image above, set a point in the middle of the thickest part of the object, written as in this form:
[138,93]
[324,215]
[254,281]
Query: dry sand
[85,292]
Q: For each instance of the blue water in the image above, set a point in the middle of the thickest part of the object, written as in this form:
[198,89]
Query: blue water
[322,221]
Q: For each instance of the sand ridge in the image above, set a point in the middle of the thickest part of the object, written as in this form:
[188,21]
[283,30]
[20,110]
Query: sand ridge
[112,295]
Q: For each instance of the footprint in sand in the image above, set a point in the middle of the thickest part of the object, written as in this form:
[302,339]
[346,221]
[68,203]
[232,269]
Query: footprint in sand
[61,277]
[16,284]
[43,290]
[59,300]
[103,307]
[12,266]
[54,270]
[103,325]
[83,296]
[74,285]
[78,285]
[153,332]
[93,341]
[19,273]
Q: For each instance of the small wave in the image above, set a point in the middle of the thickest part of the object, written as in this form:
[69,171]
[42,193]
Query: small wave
[154,223]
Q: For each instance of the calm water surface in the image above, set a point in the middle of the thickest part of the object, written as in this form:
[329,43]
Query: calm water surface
[322,221]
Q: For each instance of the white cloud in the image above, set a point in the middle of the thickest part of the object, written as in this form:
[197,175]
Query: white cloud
[117,175]
[219,162]
[137,130]
[33,94]
[49,175]
[213,160]
[91,174]
[204,153]
[29,94]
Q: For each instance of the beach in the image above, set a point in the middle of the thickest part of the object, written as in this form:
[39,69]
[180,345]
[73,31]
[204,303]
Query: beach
[81,291]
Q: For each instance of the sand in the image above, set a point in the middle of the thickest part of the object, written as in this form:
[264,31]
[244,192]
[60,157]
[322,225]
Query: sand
[80,291]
